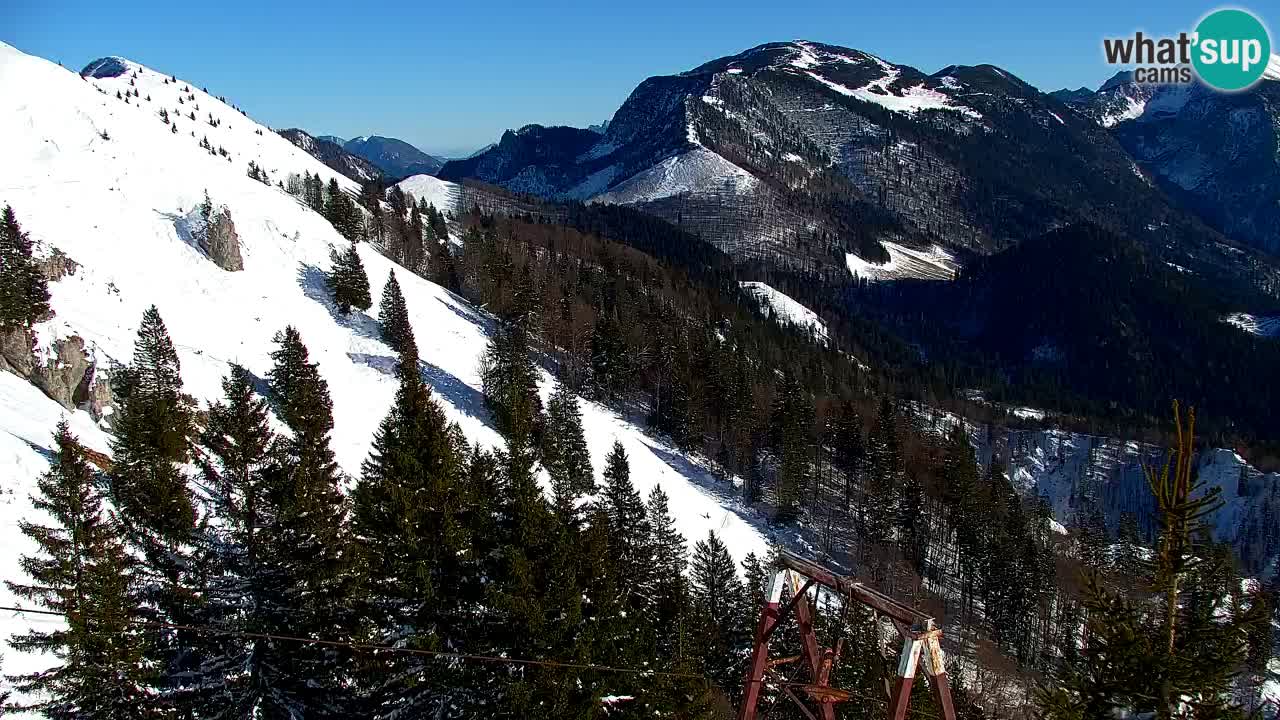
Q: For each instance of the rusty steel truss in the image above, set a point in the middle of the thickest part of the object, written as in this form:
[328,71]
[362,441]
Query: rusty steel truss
[921,644]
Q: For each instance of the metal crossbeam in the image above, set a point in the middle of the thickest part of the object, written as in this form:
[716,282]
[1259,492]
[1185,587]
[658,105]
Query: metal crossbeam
[920,633]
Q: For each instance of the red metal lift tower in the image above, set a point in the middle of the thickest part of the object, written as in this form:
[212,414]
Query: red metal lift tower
[920,643]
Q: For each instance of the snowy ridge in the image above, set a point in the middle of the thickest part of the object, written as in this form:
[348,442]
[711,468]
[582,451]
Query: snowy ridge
[935,263]
[787,310]
[111,206]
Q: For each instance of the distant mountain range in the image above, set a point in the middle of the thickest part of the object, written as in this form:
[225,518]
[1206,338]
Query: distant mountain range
[1215,154]
[817,156]
[332,154]
[396,158]
[833,174]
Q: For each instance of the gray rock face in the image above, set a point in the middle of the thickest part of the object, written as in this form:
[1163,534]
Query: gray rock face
[215,236]
[16,354]
[222,244]
[69,377]
[58,265]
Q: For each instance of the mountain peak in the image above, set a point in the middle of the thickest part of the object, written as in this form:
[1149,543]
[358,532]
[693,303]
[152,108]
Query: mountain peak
[107,67]
[1124,77]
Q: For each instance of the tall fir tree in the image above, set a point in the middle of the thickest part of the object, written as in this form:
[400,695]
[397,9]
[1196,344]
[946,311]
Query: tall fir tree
[24,291]
[630,550]
[610,371]
[237,675]
[153,425]
[153,429]
[669,585]
[792,425]
[310,539]
[347,280]
[82,569]
[418,573]
[564,451]
[510,384]
[722,634]
[393,320]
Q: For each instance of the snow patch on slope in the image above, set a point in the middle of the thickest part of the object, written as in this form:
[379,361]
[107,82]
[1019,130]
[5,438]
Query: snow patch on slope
[787,310]
[935,263]
[912,100]
[698,170]
[1261,325]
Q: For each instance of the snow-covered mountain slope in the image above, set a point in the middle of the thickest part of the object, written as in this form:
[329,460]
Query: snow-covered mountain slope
[113,204]
[696,171]
[446,196]
[785,309]
[225,126]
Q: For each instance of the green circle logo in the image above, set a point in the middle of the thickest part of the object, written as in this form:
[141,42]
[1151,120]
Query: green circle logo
[1231,50]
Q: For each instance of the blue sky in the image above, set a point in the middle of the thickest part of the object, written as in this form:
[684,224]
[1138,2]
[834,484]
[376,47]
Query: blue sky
[450,76]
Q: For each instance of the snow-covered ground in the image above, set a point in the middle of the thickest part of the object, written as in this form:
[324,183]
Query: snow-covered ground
[935,263]
[110,204]
[698,170]
[446,196]
[787,310]
[1262,325]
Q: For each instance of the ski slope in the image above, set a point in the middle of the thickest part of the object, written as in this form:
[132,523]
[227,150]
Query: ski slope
[112,205]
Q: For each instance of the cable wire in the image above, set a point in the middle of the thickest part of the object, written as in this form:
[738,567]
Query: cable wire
[374,646]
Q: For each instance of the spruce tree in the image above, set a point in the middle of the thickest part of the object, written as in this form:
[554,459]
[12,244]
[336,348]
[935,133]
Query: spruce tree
[393,319]
[792,423]
[347,280]
[24,292]
[340,210]
[414,551]
[81,569]
[153,425]
[564,451]
[719,599]
[149,488]
[236,675]
[533,593]
[610,370]
[629,546]
[309,538]
[877,507]
[848,447]
[510,383]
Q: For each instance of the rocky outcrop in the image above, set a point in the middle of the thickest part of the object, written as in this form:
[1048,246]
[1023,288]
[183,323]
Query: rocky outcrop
[69,375]
[58,265]
[221,243]
[211,231]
